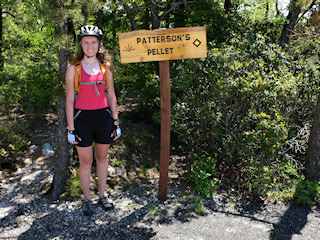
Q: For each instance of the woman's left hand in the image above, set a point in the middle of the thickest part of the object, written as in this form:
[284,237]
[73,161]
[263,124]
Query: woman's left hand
[116,132]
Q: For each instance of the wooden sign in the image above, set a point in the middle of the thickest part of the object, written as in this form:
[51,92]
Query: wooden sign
[163,44]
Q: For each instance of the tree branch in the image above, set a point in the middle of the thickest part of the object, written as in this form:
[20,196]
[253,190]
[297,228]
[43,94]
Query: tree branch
[308,9]
[9,13]
[131,16]
[175,5]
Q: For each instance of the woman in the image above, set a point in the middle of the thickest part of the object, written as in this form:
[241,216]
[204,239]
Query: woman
[92,113]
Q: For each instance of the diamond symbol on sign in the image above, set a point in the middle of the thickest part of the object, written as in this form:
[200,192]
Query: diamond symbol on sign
[197,42]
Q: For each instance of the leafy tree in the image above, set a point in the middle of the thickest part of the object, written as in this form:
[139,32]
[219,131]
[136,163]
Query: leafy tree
[27,86]
[28,60]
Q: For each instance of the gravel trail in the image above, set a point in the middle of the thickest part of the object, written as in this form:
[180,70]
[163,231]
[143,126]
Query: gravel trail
[24,214]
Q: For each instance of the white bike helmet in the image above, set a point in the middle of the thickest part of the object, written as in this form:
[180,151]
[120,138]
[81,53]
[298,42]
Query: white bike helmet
[90,30]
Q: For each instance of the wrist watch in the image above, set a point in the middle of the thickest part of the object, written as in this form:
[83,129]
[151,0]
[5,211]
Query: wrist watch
[116,120]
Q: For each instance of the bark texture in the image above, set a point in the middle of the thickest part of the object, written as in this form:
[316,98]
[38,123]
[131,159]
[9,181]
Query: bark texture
[313,154]
[291,21]
[62,162]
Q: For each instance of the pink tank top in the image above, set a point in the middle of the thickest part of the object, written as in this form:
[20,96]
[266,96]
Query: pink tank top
[88,99]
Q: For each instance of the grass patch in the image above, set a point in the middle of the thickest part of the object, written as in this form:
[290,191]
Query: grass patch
[198,205]
[129,186]
[154,209]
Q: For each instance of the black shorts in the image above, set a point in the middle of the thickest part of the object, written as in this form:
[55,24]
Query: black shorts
[93,126]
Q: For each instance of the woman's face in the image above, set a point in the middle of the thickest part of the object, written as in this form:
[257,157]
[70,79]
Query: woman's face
[90,45]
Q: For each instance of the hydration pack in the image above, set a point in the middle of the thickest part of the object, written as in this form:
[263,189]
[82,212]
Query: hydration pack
[77,78]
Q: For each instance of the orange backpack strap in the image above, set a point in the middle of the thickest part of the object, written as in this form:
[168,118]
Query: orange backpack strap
[105,75]
[77,76]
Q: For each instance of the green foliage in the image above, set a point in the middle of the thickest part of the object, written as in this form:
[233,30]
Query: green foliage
[130,186]
[137,141]
[9,91]
[139,82]
[198,205]
[73,187]
[203,174]
[240,110]
[144,171]
[242,105]
[274,182]
[30,70]
[308,193]
[12,142]
[259,10]
[119,163]
[154,209]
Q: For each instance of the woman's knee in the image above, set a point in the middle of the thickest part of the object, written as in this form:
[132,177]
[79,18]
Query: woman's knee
[101,158]
[86,163]
[101,152]
[85,156]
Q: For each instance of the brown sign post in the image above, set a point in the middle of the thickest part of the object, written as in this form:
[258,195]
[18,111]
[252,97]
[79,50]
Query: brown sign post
[163,45]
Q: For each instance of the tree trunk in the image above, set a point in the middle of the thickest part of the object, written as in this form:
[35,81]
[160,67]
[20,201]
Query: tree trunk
[61,170]
[277,9]
[313,154]
[267,10]
[131,16]
[227,5]
[155,16]
[294,11]
[1,45]
[100,19]
[61,166]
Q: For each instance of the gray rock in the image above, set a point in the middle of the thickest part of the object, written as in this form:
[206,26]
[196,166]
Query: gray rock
[47,150]
[33,148]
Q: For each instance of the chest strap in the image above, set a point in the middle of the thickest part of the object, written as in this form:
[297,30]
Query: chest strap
[95,85]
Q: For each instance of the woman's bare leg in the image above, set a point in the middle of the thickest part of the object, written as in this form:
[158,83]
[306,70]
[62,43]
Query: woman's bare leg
[86,157]
[100,153]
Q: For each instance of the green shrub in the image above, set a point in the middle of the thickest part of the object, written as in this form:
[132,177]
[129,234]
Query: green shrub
[73,187]
[203,174]
[13,141]
[242,105]
[308,193]
[273,182]
[40,90]
[9,91]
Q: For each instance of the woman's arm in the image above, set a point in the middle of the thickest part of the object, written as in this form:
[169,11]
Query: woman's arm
[70,92]
[112,96]
[112,99]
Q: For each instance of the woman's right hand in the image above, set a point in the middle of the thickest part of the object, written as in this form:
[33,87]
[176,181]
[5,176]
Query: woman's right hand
[73,138]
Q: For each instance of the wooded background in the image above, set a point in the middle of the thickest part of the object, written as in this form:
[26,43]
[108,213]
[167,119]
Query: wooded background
[248,115]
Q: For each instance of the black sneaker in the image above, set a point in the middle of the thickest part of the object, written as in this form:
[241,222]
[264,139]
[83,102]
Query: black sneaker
[86,208]
[105,203]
